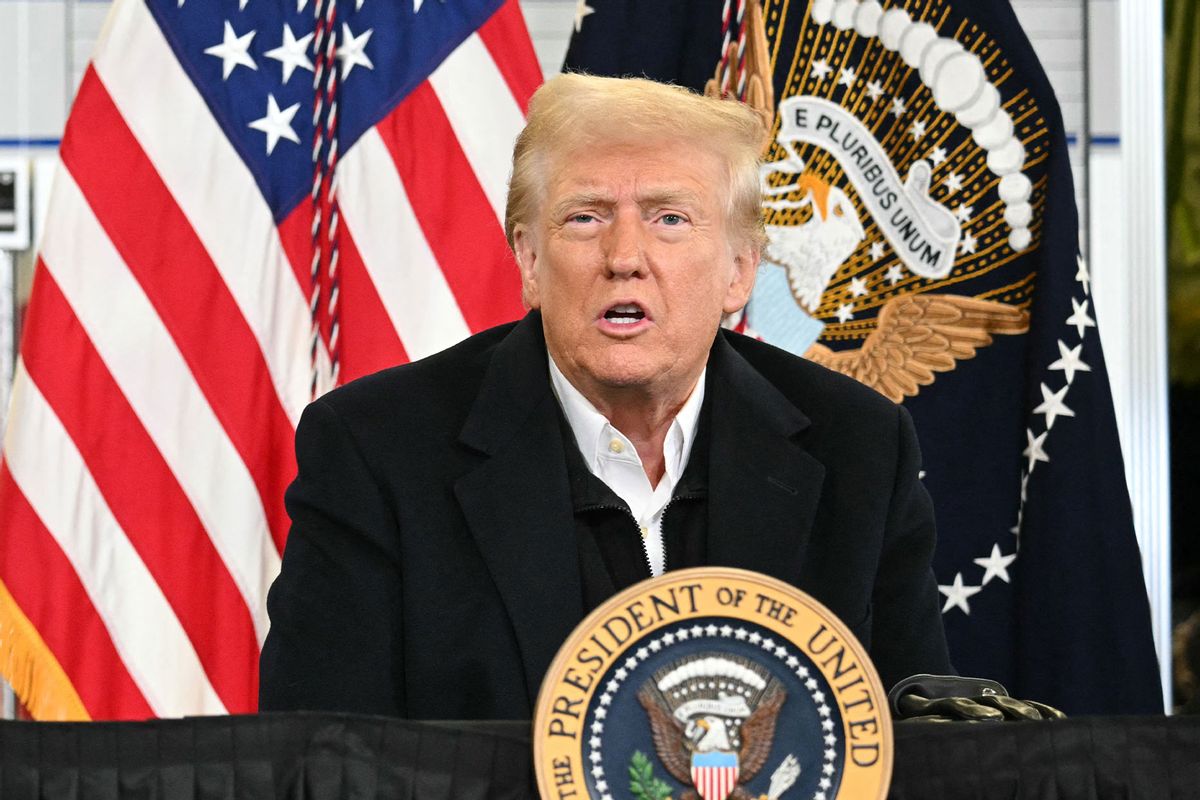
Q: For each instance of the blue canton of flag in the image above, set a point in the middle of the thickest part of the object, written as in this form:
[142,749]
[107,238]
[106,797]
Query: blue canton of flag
[253,63]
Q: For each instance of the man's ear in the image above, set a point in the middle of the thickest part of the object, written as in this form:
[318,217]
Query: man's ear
[525,251]
[745,268]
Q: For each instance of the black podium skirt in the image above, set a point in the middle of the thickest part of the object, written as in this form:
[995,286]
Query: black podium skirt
[344,757]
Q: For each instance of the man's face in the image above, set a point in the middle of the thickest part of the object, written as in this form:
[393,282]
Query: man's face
[632,263]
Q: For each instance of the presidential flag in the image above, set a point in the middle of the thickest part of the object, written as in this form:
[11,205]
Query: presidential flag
[923,238]
[257,200]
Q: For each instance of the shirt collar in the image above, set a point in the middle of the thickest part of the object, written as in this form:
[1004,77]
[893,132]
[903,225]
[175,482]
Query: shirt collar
[593,432]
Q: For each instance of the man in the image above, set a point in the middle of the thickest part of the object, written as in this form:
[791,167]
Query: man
[455,518]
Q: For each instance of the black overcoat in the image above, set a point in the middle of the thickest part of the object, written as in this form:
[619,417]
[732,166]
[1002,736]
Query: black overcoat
[431,570]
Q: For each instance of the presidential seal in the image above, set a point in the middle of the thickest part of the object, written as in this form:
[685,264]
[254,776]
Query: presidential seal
[712,683]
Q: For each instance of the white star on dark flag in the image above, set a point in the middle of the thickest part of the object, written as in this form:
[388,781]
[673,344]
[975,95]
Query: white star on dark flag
[957,594]
[292,53]
[1082,275]
[277,124]
[582,9]
[1034,450]
[1080,318]
[1070,361]
[1053,406]
[233,51]
[996,565]
[353,51]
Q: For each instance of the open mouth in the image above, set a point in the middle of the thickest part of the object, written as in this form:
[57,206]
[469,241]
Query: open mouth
[625,314]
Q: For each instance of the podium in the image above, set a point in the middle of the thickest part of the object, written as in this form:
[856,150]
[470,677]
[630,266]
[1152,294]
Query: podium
[317,756]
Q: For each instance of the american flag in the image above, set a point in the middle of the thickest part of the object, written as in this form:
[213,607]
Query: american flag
[257,200]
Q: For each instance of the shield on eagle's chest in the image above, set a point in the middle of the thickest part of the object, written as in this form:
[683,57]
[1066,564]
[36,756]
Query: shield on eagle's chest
[714,774]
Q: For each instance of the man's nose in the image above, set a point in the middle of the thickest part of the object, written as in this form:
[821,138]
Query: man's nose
[624,253]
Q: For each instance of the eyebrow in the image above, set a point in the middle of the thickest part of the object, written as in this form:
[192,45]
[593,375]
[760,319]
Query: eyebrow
[656,198]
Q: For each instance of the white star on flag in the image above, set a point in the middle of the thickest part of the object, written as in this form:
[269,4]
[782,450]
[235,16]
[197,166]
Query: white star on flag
[1080,318]
[845,312]
[582,9]
[1070,361]
[996,565]
[964,212]
[242,4]
[897,108]
[1034,450]
[894,274]
[277,124]
[876,251]
[417,5]
[821,69]
[858,287]
[874,90]
[957,594]
[232,51]
[848,76]
[968,243]
[953,182]
[1053,406]
[1082,275]
[918,129]
[292,53]
[353,51]
[938,155]
[300,4]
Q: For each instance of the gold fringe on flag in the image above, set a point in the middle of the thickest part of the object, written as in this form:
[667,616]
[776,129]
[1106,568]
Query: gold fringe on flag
[32,670]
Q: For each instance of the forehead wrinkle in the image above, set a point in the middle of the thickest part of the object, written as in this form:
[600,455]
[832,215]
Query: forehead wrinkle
[656,198]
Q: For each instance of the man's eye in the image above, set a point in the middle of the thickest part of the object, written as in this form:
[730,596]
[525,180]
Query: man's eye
[581,218]
[673,219]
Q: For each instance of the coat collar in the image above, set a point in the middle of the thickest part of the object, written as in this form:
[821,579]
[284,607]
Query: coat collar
[763,487]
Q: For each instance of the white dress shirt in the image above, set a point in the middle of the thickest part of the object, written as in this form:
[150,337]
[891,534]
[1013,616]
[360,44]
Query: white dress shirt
[613,459]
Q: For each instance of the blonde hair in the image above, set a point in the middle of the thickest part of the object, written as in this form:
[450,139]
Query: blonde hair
[573,110]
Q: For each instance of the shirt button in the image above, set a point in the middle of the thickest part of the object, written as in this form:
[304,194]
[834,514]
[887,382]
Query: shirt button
[645,531]
[616,446]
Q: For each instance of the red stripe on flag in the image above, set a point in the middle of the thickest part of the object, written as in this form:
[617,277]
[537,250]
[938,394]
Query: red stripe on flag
[507,40]
[30,561]
[295,235]
[143,495]
[369,340]
[452,210]
[186,289]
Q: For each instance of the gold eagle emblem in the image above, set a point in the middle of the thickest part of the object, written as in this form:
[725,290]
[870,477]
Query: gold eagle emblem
[918,335]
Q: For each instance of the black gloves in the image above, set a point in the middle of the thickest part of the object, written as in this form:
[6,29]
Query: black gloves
[948,698]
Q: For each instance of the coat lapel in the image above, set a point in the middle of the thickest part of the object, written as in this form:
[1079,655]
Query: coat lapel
[518,511]
[764,486]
